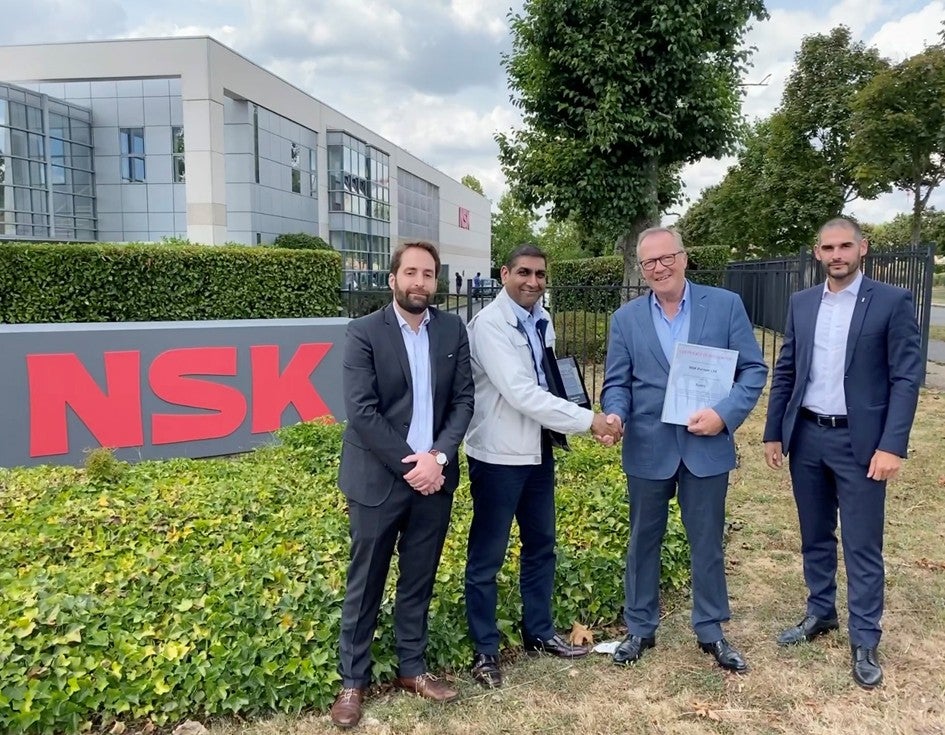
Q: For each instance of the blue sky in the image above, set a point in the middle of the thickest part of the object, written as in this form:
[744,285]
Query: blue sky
[426,73]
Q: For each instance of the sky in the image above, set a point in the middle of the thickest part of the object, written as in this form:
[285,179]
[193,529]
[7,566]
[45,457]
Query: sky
[427,74]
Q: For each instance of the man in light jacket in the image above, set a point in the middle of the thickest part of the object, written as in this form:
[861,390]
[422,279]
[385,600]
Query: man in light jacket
[519,415]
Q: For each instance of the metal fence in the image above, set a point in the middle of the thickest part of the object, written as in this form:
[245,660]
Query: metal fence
[582,313]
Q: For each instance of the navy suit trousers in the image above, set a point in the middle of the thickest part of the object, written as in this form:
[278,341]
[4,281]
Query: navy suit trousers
[501,493]
[827,479]
[702,503]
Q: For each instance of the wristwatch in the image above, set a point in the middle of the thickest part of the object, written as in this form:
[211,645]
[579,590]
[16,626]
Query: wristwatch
[441,458]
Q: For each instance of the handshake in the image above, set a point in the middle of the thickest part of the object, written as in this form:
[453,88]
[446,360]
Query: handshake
[607,429]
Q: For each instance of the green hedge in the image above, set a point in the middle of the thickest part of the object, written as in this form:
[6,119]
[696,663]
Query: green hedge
[118,283]
[592,284]
[582,334]
[300,241]
[189,588]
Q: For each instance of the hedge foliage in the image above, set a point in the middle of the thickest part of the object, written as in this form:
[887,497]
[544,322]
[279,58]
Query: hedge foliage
[300,241]
[594,284]
[143,282]
[189,588]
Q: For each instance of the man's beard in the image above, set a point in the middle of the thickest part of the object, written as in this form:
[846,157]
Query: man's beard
[411,307]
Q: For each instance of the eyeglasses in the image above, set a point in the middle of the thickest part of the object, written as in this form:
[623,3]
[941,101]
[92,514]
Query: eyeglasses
[665,260]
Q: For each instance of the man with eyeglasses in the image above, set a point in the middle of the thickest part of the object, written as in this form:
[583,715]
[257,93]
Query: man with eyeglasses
[662,459]
[843,398]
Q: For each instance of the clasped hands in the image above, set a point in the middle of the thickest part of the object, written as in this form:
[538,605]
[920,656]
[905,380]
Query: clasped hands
[607,429]
[427,477]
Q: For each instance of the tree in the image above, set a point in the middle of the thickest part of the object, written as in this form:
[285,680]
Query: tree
[897,233]
[899,130]
[817,103]
[771,202]
[471,182]
[615,96]
[512,225]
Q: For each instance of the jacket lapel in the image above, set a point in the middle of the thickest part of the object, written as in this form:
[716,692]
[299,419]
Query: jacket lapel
[397,342]
[809,308]
[697,314]
[433,337]
[644,319]
[859,314]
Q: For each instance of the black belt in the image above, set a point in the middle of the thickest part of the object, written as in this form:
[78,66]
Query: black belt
[825,420]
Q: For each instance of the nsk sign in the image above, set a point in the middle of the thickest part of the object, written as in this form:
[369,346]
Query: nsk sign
[162,389]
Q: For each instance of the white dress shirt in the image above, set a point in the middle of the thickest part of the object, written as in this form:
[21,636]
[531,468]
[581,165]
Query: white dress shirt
[825,393]
[420,433]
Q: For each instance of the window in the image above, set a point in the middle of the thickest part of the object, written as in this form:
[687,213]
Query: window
[132,154]
[177,150]
[312,175]
[295,162]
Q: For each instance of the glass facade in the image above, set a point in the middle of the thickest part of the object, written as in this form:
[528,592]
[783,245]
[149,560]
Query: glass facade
[418,208]
[359,208]
[46,175]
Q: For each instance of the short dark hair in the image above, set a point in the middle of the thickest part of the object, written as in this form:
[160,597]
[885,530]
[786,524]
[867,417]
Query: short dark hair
[848,222]
[525,250]
[423,245]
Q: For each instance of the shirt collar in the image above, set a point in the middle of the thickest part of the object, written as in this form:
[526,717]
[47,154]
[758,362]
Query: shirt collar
[403,322]
[853,289]
[683,304]
[521,313]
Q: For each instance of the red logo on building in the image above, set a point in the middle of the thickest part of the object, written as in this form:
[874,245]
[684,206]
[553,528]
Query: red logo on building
[464,218]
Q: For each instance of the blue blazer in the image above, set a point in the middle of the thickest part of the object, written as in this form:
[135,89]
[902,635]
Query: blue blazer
[637,373]
[882,376]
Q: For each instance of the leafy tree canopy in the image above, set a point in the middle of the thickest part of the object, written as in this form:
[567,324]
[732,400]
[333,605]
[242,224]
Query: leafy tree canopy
[614,95]
[471,182]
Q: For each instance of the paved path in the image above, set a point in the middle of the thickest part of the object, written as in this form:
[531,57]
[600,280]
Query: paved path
[937,317]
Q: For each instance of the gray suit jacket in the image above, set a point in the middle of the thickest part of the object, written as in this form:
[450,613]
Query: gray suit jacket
[378,398]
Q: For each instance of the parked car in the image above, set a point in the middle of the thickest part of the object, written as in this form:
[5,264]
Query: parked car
[488,288]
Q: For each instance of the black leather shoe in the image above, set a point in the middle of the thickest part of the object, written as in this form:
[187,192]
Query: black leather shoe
[631,648]
[556,646]
[866,669]
[725,655]
[485,670]
[808,629]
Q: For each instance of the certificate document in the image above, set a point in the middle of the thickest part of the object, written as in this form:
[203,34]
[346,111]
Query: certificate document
[699,377]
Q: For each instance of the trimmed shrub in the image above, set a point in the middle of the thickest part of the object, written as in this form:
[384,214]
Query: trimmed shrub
[184,588]
[121,283]
[582,334]
[588,284]
[300,241]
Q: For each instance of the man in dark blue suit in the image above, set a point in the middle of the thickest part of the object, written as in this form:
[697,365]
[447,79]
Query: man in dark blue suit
[843,398]
[409,397]
[664,459]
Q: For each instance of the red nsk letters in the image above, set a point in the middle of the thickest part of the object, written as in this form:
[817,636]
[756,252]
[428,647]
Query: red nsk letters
[114,415]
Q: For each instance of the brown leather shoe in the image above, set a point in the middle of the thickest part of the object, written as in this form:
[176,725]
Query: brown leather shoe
[346,711]
[427,686]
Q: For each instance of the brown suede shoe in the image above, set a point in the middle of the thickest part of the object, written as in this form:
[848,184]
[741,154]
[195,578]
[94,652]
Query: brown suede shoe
[427,686]
[346,711]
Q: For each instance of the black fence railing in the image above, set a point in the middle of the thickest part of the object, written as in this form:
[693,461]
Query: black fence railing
[582,313]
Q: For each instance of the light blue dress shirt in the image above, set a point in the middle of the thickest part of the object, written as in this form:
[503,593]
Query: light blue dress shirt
[526,319]
[420,434]
[671,331]
[825,393]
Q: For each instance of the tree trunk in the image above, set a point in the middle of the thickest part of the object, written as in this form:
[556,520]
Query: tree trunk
[917,215]
[627,240]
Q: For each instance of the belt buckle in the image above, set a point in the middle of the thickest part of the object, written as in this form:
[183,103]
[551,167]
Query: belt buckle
[833,422]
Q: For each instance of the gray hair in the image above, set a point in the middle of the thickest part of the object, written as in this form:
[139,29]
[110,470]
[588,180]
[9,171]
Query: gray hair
[657,230]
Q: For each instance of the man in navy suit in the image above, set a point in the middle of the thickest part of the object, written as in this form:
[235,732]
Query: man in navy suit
[663,459]
[843,398]
[409,396]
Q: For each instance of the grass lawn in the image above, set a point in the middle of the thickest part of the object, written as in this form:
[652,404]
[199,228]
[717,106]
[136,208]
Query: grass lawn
[677,690]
